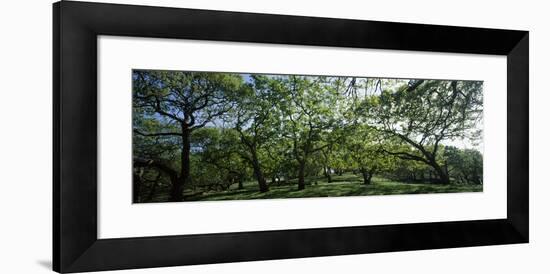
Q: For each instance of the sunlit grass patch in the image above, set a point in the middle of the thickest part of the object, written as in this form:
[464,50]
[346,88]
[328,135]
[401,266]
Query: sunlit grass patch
[345,185]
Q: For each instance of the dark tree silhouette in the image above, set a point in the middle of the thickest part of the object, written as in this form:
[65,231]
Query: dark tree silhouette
[184,101]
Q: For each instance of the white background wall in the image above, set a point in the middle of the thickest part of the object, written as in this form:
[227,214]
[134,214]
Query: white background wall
[25,135]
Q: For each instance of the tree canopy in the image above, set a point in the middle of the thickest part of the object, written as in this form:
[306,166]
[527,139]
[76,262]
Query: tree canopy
[207,132]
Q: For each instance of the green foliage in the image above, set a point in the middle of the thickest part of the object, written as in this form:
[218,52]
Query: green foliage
[464,165]
[364,151]
[199,134]
[195,98]
[423,113]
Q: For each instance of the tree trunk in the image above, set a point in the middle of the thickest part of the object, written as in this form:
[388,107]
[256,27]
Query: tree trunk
[441,173]
[153,191]
[240,183]
[176,193]
[284,180]
[258,173]
[327,174]
[137,187]
[301,176]
[366,176]
[476,179]
[466,177]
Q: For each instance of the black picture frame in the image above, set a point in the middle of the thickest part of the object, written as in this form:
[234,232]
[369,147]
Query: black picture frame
[76,246]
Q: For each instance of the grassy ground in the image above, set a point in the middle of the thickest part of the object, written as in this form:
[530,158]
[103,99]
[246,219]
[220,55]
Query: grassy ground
[345,185]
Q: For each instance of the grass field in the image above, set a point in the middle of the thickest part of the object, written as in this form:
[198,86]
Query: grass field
[345,185]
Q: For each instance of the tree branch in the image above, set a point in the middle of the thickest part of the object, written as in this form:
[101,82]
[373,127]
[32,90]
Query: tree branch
[157,133]
[159,164]
[406,156]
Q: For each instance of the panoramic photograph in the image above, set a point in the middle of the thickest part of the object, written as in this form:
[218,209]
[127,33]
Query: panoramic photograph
[210,136]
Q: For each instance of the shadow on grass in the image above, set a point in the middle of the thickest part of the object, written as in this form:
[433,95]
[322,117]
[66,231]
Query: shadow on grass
[341,189]
[341,186]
